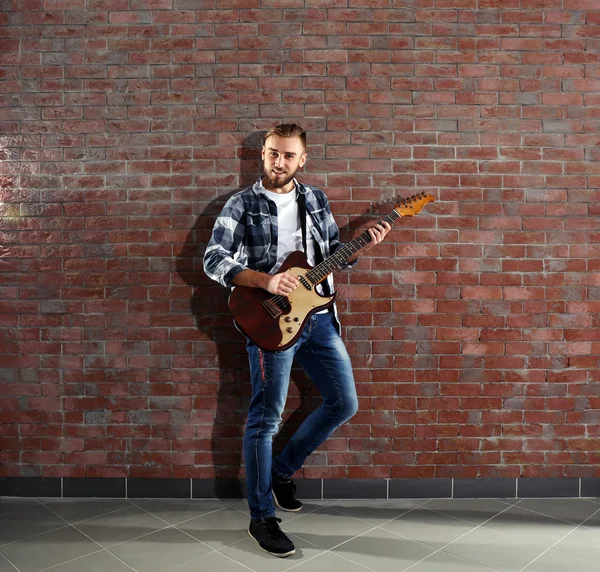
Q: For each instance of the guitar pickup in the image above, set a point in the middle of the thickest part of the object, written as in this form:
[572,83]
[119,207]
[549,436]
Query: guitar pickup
[305,282]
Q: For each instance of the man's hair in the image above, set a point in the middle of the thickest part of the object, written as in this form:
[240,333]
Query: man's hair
[288,130]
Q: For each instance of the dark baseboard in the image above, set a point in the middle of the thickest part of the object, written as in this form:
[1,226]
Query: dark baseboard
[307,488]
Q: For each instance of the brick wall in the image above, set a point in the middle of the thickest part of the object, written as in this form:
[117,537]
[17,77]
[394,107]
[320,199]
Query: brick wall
[473,329]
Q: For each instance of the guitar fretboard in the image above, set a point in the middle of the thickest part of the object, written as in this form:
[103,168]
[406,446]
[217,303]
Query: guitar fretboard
[337,260]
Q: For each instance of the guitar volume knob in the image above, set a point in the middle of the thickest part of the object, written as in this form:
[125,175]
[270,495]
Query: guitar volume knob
[289,330]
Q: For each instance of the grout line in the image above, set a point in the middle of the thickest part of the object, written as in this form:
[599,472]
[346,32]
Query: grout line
[197,540]
[550,516]
[321,549]
[560,540]
[169,525]
[325,550]
[232,559]
[375,528]
[74,560]
[102,549]
[91,517]
[13,565]
[19,509]
[353,562]
[33,535]
[461,536]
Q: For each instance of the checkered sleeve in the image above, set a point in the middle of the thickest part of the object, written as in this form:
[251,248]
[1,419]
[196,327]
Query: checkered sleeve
[224,257]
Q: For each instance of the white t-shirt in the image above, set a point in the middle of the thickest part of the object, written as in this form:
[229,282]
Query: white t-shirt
[289,231]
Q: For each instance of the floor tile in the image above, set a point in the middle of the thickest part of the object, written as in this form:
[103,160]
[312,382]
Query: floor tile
[554,561]
[375,515]
[473,511]
[48,549]
[570,510]
[538,528]
[160,550]
[396,535]
[213,562]
[428,527]
[120,526]
[326,530]
[443,562]
[308,507]
[178,511]
[240,504]
[5,565]
[582,543]
[232,502]
[495,550]
[96,562]
[382,551]
[592,521]
[219,529]
[12,504]
[28,522]
[327,562]
[77,510]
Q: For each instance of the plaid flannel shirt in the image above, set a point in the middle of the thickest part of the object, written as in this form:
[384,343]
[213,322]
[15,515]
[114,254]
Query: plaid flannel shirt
[245,233]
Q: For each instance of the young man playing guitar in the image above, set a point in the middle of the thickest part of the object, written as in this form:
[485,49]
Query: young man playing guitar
[254,234]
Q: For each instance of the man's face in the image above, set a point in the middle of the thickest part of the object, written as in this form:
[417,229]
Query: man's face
[282,157]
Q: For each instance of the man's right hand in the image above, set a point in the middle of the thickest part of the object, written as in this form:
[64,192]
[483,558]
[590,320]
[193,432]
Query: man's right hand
[282,284]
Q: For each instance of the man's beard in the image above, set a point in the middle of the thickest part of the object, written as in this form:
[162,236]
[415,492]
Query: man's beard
[276,182]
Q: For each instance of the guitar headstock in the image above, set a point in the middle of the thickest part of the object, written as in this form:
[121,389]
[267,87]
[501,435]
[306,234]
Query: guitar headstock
[413,204]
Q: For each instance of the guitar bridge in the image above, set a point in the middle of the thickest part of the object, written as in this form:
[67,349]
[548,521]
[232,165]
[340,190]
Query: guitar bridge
[276,306]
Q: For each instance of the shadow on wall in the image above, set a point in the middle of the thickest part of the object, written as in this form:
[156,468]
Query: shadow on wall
[220,374]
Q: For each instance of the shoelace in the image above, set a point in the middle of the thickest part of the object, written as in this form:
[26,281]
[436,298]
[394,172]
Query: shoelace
[272,526]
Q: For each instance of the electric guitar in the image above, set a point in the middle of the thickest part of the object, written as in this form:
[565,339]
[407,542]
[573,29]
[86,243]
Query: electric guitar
[275,322]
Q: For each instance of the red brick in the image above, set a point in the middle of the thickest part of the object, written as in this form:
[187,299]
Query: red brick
[473,306]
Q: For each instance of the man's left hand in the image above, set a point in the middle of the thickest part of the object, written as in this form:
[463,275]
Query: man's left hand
[377,233]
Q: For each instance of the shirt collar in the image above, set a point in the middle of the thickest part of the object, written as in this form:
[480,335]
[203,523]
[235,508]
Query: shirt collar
[259,188]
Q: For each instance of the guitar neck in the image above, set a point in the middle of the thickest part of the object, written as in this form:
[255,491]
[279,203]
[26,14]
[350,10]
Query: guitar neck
[341,257]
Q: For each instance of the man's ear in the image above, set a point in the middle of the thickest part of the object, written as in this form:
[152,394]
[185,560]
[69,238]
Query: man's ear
[262,153]
[302,160]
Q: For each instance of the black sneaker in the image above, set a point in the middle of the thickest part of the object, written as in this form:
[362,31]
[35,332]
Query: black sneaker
[270,537]
[283,493]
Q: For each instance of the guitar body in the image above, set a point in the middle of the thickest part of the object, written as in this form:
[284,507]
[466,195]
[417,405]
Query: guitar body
[274,323]
[268,332]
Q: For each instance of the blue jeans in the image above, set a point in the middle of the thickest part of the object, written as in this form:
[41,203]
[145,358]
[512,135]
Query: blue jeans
[322,354]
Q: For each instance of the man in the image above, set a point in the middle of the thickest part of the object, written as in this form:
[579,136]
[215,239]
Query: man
[255,232]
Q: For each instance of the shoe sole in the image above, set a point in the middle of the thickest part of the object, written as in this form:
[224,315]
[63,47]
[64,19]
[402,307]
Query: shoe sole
[283,555]
[283,508]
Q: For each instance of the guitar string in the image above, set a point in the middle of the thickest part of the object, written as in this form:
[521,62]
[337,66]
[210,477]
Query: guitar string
[343,254]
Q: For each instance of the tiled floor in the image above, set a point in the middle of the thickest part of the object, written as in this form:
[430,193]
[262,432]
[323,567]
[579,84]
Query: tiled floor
[450,535]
